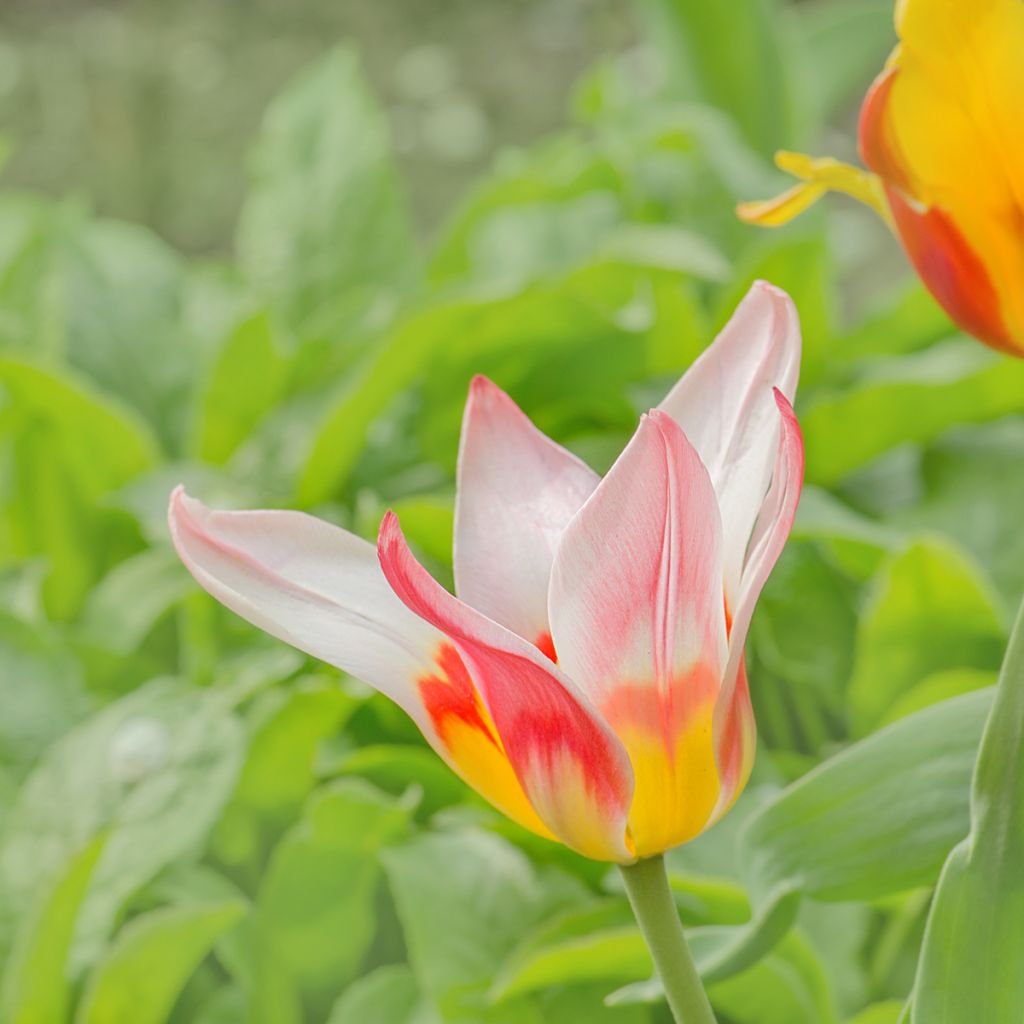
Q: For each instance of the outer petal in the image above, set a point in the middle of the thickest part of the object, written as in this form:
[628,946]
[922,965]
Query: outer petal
[638,619]
[724,405]
[321,589]
[517,490]
[573,769]
[943,127]
[734,724]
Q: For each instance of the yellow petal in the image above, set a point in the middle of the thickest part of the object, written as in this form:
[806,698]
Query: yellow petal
[947,129]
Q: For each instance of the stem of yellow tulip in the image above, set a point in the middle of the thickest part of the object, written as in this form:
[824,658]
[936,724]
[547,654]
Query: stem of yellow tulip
[655,909]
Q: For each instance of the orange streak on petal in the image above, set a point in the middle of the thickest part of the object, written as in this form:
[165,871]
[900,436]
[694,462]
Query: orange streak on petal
[668,735]
[952,270]
[737,745]
[451,696]
[467,731]
[546,645]
[879,148]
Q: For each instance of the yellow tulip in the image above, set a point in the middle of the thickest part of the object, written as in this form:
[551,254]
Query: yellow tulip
[942,136]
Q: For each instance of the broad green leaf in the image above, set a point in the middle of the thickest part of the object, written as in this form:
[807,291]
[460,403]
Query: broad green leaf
[316,900]
[594,943]
[876,819]
[487,894]
[69,449]
[247,379]
[732,57]
[937,687]
[324,230]
[124,292]
[279,769]
[154,769]
[930,611]
[843,44]
[605,325]
[972,489]
[857,543]
[41,693]
[386,994]
[128,602]
[972,960]
[395,768]
[880,1013]
[915,398]
[35,982]
[788,986]
[806,621]
[143,972]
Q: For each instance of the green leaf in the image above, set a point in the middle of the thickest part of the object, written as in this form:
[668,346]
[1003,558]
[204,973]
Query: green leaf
[70,449]
[34,987]
[487,894]
[732,57]
[279,769]
[788,986]
[144,971]
[386,994]
[930,611]
[316,900]
[247,379]
[324,230]
[154,769]
[973,953]
[395,768]
[128,602]
[124,292]
[594,943]
[914,400]
[880,1013]
[972,491]
[41,693]
[844,44]
[876,819]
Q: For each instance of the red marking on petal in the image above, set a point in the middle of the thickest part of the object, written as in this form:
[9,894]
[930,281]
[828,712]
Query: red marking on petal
[736,730]
[450,694]
[952,270]
[546,646]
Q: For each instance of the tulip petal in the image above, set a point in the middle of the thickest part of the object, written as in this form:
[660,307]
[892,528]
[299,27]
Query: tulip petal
[733,725]
[942,126]
[321,589]
[724,405]
[517,490]
[638,619]
[571,766]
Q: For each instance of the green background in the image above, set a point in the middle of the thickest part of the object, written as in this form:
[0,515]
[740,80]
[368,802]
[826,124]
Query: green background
[262,249]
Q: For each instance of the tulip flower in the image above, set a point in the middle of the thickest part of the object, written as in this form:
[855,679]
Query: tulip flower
[588,677]
[942,134]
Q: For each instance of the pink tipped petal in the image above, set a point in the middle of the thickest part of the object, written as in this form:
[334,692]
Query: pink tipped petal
[766,543]
[310,584]
[322,590]
[638,619]
[724,405]
[517,490]
[574,771]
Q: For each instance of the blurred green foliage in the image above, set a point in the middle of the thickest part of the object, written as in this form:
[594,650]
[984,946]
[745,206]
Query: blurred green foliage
[197,825]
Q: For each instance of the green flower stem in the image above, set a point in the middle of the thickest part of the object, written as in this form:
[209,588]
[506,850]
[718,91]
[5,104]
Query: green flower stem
[651,898]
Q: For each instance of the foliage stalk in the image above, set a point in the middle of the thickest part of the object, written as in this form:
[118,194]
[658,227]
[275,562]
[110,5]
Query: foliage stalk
[651,898]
